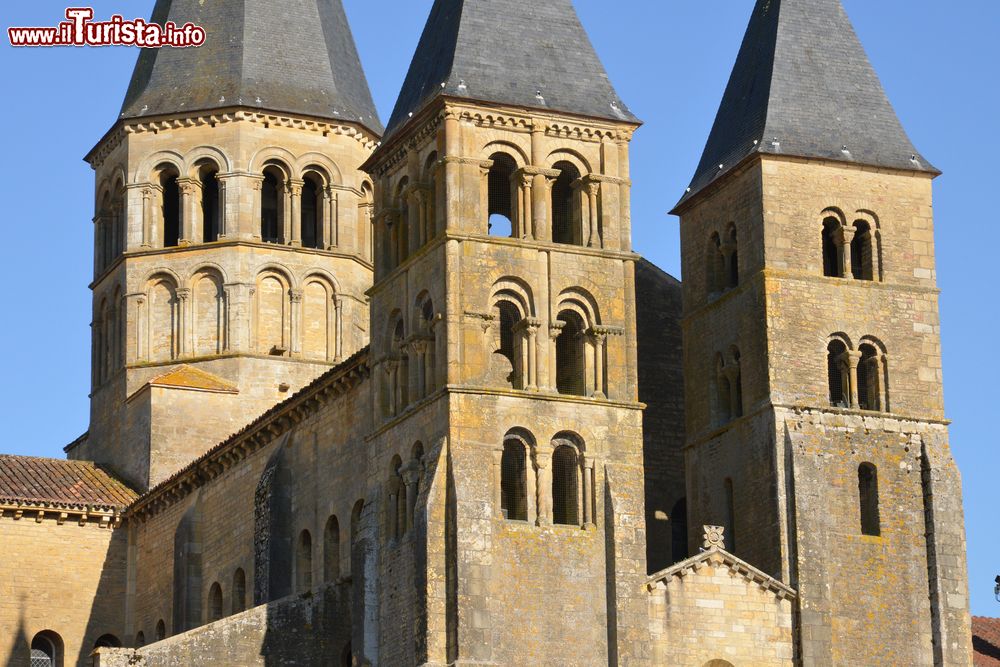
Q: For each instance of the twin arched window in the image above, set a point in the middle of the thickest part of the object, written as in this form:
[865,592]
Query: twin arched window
[728,397]
[851,251]
[331,550]
[567,498]
[857,379]
[722,262]
[215,611]
[175,191]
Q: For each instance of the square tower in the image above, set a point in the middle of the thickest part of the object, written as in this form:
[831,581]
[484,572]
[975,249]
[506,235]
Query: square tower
[815,418]
[503,347]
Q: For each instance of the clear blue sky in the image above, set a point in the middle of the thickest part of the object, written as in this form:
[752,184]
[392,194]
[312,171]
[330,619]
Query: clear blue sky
[669,61]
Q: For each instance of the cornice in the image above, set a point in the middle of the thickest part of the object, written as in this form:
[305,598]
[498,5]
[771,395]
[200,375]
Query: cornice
[20,510]
[116,135]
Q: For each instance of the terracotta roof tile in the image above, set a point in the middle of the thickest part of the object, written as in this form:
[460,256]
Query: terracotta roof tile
[59,482]
[985,641]
[189,377]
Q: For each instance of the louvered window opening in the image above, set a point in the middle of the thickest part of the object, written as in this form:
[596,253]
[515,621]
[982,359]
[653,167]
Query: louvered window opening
[562,207]
[269,209]
[836,365]
[832,265]
[171,211]
[868,379]
[500,194]
[571,364]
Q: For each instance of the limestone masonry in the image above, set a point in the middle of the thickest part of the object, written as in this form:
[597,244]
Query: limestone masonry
[408,396]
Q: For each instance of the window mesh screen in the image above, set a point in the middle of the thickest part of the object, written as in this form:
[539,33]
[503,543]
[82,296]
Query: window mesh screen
[562,205]
[171,211]
[269,209]
[310,214]
[861,252]
[831,250]
[868,380]
[570,356]
[513,482]
[500,188]
[836,366]
[565,473]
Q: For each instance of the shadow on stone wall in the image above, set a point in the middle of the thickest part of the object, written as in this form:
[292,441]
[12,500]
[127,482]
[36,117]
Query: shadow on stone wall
[21,645]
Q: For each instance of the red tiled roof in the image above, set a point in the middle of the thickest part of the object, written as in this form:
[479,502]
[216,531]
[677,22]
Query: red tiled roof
[985,641]
[30,479]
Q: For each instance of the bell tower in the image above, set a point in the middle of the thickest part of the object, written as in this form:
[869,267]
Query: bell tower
[232,230]
[503,342]
[816,431]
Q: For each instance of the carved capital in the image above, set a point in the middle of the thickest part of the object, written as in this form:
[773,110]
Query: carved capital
[295,295]
[183,293]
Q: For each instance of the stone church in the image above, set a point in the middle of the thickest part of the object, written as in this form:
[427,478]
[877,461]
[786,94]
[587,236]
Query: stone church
[406,395]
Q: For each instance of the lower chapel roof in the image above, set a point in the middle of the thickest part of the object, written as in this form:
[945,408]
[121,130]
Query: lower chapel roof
[60,483]
[985,641]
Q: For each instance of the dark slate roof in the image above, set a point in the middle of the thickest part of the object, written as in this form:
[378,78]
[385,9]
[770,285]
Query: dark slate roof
[803,86]
[527,54]
[60,482]
[293,56]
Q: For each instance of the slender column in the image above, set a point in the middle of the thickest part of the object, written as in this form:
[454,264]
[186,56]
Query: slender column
[331,219]
[183,304]
[846,237]
[294,198]
[497,483]
[98,245]
[223,230]
[418,379]
[255,225]
[555,330]
[853,359]
[595,238]
[588,492]
[189,203]
[600,338]
[531,473]
[391,370]
[147,218]
[394,527]
[544,458]
[295,299]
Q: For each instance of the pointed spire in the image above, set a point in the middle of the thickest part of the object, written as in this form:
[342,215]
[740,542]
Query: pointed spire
[803,86]
[526,54]
[296,56]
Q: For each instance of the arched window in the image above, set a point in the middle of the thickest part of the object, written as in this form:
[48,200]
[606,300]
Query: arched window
[402,225]
[732,260]
[868,499]
[508,344]
[171,209]
[161,630]
[730,517]
[679,531]
[514,479]
[838,374]
[271,195]
[868,379]
[331,550]
[211,207]
[571,364]
[425,348]
[356,513]
[108,641]
[737,409]
[395,509]
[723,393]
[566,217]
[862,252]
[501,198]
[833,248]
[239,600]
[715,265]
[46,650]
[140,640]
[214,602]
[312,211]
[565,486]
[303,563]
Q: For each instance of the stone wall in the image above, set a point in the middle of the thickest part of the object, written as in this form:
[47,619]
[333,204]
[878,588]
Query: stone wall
[61,577]
[714,608]
[302,630]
